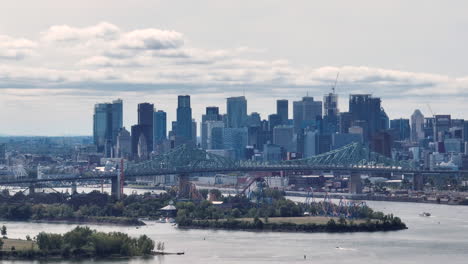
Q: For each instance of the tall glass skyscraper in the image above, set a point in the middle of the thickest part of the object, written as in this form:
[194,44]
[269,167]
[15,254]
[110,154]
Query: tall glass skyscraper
[107,121]
[282,110]
[159,127]
[143,131]
[236,112]
[184,119]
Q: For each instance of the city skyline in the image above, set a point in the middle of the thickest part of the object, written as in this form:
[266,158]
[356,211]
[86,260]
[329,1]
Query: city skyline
[54,68]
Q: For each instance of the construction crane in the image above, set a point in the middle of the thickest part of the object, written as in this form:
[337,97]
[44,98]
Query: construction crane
[336,81]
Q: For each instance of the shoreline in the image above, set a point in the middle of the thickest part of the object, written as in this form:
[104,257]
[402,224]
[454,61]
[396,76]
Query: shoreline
[119,222]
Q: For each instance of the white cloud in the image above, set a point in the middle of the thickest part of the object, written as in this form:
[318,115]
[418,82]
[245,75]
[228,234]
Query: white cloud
[16,48]
[150,39]
[65,33]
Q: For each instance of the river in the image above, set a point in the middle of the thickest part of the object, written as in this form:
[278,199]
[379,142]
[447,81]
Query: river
[441,238]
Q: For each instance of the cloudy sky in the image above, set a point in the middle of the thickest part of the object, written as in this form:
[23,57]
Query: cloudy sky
[58,58]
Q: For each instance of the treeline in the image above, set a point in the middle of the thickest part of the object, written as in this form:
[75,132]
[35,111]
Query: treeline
[82,242]
[390,224]
[277,206]
[91,207]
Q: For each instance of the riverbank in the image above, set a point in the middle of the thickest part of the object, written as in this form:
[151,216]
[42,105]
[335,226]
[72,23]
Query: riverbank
[298,224]
[121,221]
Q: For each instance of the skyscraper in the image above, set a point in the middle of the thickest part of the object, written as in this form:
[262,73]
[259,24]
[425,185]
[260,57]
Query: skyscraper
[331,112]
[124,144]
[417,126]
[159,127]
[365,108]
[282,110]
[442,124]
[184,120]
[212,114]
[2,153]
[306,112]
[107,122]
[145,128]
[401,128]
[236,112]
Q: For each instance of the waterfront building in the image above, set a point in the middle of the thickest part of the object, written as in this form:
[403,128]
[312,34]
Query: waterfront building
[236,112]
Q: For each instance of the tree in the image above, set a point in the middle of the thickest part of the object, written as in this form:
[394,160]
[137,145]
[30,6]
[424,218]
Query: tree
[4,231]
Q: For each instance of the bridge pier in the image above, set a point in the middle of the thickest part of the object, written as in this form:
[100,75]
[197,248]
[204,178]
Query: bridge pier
[418,182]
[32,188]
[73,188]
[354,183]
[184,186]
[115,187]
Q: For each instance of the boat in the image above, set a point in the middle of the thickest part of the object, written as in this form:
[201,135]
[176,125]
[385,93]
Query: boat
[425,214]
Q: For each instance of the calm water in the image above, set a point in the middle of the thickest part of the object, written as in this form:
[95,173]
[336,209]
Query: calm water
[441,238]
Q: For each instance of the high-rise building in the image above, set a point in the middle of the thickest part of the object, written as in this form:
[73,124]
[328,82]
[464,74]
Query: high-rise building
[212,114]
[417,126]
[330,105]
[306,112]
[145,114]
[211,141]
[159,127]
[381,142]
[236,139]
[282,110]
[106,117]
[2,153]
[442,124]
[274,120]
[236,112]
[184,120]
[401,128]
[364,107]
[117,118]
[124,144]
[284,136]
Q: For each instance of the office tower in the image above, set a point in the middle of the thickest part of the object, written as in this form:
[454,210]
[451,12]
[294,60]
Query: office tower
[306,112]
[210,141]
[345,121]
[159,127]
[194,131]
[364,107]
[401,128]
[384,121]
[117,118]
[102,128]
[254,120]
[284,136]
[442,124]
[282,110]
[212,114]
[142,147]
[310,147]
[417,126]
[331,113]
[272,152]
[124,144]
[429,127]
[236,112]
[184,120]
[2,153]
[274,120]
[235,139]
[145,127]
[381,142]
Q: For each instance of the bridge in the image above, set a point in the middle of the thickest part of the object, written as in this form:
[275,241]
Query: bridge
[185,160]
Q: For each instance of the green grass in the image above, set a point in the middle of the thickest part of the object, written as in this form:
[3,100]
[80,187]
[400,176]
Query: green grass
[19,244]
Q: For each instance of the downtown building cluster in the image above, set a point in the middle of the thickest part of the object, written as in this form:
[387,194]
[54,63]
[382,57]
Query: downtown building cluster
[316,127]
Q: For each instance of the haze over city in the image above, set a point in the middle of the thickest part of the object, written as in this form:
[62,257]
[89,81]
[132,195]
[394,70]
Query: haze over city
[58,59]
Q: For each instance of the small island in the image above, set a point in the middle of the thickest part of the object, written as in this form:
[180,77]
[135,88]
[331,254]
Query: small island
[271,211]
[81,242]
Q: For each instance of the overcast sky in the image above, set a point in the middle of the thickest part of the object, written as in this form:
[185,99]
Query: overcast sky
[58,58]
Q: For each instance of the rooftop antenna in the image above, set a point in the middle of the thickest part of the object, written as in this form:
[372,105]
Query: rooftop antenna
[336,81]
